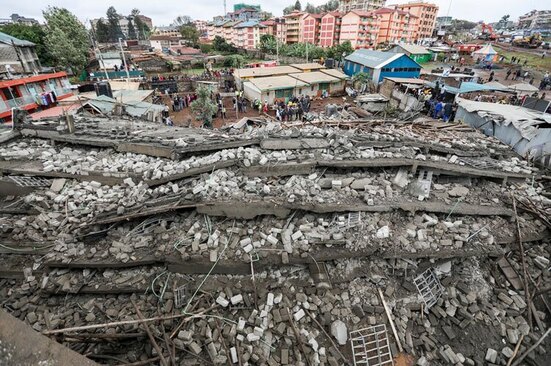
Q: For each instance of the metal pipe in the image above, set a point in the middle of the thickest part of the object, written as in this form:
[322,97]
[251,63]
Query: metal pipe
[124,60]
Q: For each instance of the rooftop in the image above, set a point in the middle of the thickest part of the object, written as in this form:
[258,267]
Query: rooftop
[265,71]
[308,66]
[373,59]
[9,40]
[413,49]
[315,77]
[277,82]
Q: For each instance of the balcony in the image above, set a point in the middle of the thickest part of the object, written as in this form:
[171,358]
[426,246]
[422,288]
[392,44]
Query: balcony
[21,102]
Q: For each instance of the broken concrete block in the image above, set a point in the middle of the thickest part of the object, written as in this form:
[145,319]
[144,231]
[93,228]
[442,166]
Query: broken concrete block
[128,181]
[401,178]
[236,299]
[458,191]
[222,301]
[383,232]
[491,355]
[58,184]
[339,331]
[299,315]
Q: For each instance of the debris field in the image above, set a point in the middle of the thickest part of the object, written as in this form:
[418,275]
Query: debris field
[353,243]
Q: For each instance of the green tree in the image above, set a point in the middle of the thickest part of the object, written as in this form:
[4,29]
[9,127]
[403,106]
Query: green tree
[32,33]
[234,61]
[203,107]
[115,31]
[190,34]
[102,32]
[268,43]
[131,29]
[219,44]
[142,29]
[331,5]
[289,9]
[311,9]
[66,39]
[298,6]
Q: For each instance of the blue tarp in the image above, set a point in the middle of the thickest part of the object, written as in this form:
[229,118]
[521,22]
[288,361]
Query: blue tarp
[466,87]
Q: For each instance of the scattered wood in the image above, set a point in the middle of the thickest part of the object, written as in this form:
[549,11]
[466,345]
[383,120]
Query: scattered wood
[523,356]
[149,334]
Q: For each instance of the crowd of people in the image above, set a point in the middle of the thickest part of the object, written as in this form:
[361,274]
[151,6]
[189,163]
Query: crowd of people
[294,109]
[437,103]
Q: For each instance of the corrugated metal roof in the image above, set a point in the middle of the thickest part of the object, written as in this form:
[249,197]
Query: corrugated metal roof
[336,73]
[265,71]
[315,77]
[373,59]
[7,39]
[406,80]
[308,66]
[413,49]
[277,82]
[523,119]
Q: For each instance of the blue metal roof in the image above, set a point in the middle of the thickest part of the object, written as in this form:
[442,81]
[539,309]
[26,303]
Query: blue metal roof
[373,59]
[249,23]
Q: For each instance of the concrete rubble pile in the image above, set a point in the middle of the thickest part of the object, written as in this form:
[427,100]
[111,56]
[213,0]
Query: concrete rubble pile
[277,245]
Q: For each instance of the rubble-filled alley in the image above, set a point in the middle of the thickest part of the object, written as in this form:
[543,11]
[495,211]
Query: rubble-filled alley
[357,243]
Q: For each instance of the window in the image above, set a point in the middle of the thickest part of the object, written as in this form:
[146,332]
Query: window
[324,86]
[284,93]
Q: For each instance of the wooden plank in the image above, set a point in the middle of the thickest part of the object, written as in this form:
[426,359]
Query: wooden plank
[510,273]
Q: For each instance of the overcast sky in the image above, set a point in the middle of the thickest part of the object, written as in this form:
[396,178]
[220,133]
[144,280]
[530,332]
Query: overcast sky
[164,11]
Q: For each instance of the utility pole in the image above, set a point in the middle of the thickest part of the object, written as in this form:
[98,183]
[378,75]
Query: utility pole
[124,60]
[225,10]
[97,50]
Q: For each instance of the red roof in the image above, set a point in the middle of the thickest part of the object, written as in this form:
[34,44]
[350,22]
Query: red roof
[185,50]
[316,16]
[32,79]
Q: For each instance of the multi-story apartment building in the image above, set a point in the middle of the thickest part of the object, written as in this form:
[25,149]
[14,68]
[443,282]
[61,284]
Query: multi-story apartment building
[18,19]
[169,31]
[395,26]
[201,26]
[366,5]
[247,34]
[293,26]
[360,28]
[426,18]
[240,34]
[330,29]
[228,31]
[275,27]
[311,28]
[536,19]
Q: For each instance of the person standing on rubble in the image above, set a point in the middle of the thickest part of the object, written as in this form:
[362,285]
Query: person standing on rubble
[447,112]
[508,74]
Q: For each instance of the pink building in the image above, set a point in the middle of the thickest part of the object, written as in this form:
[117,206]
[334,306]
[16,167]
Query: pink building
[311,28]
[247,34]
[360,28]
[330,29]
[395,26]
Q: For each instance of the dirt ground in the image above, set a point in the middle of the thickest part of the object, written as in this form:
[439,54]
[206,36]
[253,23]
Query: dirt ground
[182,118]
